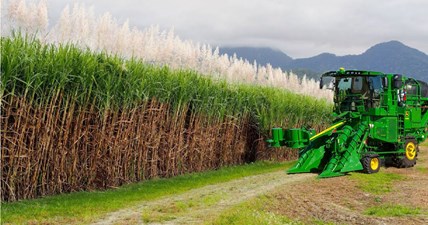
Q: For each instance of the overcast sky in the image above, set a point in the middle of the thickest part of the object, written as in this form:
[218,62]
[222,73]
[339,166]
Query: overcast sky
[300,28]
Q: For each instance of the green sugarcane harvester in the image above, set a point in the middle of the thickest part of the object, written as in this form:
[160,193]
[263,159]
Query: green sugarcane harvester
[379,120]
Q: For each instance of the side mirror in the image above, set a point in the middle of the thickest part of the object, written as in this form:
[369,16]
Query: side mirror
[398,82]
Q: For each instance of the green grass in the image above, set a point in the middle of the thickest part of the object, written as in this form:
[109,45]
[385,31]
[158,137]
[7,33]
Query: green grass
[252,212]
[378,183]
[176,209]
[422,169]
[388,210]
[85,206]
[256,211]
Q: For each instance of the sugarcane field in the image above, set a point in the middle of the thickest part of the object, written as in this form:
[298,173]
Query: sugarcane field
[189,112]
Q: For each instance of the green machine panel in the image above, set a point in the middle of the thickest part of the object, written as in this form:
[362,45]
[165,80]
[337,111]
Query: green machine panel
[412,118]
[385,129]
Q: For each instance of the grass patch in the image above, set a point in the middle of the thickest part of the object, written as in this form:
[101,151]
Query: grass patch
[162,213]
[425,144]
[378,183]
[256,212]
[83,207]
[422,169]
[251,213]
[388,210]
[156,217]
[212,199]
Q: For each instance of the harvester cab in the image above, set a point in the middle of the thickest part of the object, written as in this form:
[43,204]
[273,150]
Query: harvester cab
[380,119]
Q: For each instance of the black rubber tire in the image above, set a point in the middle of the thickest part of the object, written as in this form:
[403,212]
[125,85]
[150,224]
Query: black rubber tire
[409,158]
[371,164]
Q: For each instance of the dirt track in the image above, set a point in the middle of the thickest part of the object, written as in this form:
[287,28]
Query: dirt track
[198,205]
[301,197]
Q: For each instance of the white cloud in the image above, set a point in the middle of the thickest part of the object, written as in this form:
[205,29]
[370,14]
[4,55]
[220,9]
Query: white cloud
[300,28]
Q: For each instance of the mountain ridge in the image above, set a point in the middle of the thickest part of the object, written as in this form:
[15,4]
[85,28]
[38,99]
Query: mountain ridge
[389,57]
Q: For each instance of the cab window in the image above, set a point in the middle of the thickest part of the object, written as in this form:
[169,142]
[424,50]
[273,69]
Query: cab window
[411,87]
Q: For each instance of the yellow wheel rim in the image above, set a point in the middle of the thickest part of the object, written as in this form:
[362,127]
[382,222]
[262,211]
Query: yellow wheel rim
[410,151]
[374,163]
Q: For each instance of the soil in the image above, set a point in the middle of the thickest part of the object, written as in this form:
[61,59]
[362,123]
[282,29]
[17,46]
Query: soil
[340,201]
[300,197]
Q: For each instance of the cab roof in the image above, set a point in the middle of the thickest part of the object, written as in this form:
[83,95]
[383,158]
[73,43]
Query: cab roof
[343,72]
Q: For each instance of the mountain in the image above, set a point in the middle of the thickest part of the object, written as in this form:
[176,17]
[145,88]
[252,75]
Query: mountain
[262,56]
[388,57]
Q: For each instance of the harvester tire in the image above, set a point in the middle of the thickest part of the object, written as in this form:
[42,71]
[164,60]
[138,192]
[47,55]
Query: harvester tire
[371,164]
[411,153]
